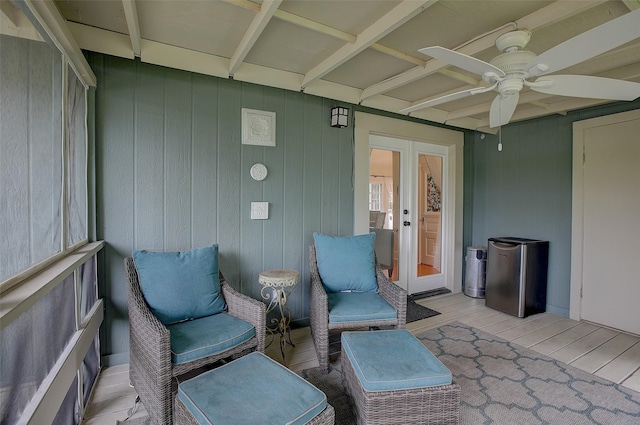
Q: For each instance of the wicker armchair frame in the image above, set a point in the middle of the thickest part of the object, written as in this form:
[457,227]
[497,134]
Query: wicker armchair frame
[151,371]
[319,309]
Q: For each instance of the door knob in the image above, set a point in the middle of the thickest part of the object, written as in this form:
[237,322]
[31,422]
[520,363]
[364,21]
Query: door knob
[407,223]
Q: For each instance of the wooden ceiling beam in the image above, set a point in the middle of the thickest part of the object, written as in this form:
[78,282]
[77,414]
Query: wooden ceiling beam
[557,11]
[400,14]
[632,4]
[297,20]
[344,36]
[260,21]
[133,23]
[10,13]
[47,14]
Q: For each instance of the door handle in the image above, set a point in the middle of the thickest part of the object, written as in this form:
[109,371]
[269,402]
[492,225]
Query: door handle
[407,223]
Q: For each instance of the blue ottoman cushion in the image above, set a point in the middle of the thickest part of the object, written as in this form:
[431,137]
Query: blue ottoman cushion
[251,390]
[375,360]
[358,306]
[194,340]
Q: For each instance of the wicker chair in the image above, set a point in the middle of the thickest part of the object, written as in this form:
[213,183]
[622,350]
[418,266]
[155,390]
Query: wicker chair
[319,309]
[151,370]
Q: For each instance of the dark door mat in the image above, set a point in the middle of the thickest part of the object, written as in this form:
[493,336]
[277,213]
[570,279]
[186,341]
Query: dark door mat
[431,293]
[417,312]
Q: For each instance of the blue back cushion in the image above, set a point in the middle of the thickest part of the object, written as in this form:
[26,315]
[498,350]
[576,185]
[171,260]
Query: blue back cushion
[180,285]
[346,263]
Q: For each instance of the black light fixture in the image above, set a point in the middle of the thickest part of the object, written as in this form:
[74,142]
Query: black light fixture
[339,116]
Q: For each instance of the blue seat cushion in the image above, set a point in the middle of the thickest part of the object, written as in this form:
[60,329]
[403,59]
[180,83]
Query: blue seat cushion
[393,360]
[251,390]
[358,306]
[180,285]
[206,336]
[346,263]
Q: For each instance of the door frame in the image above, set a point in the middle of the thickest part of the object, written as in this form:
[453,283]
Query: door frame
[368,124]
[577,202]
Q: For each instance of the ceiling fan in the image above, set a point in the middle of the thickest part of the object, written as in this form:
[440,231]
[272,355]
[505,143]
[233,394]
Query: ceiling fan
[511,70]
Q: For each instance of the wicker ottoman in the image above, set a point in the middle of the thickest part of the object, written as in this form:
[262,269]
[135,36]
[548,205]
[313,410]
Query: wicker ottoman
[393,379]
[251,390]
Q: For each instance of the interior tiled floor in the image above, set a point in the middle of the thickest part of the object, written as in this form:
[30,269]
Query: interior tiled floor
[607,353]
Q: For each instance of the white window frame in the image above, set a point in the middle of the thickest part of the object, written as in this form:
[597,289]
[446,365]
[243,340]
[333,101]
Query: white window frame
[375,196]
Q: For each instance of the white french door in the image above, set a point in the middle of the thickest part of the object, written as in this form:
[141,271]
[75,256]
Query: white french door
[416,201]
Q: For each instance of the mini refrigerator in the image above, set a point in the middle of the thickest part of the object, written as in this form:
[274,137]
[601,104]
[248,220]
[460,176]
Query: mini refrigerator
[516,280]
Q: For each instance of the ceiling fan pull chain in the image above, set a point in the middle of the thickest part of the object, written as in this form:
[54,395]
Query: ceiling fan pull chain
[500,139]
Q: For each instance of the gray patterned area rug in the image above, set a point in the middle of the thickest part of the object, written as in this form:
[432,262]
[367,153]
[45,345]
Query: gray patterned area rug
[504,383]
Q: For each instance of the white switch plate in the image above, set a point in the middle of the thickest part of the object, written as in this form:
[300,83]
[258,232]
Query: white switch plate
[259,210]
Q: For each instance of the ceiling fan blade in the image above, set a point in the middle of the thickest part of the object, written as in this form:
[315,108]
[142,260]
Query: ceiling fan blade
[586,86]
[446,98]
[461,60]
[502,109]
[587,45]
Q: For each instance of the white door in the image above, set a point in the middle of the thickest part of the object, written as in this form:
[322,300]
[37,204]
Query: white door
[611,233]
[416,226]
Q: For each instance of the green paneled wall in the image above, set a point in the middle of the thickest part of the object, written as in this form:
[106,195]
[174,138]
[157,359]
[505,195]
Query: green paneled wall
[172,174]
[525,190]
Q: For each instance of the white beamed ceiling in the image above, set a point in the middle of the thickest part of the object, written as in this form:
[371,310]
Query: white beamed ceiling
[358,51]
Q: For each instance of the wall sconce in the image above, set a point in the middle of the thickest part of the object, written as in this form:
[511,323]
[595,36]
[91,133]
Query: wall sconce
[339,117]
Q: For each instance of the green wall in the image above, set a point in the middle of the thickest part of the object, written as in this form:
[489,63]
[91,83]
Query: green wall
[172,174]
[525,190]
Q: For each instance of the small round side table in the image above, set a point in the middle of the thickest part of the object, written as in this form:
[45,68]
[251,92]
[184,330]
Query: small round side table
[275,289]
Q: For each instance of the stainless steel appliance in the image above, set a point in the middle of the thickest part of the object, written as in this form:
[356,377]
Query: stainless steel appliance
[475,272]
[516,281]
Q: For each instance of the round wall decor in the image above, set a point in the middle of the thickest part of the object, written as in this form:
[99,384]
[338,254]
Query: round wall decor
[258,172]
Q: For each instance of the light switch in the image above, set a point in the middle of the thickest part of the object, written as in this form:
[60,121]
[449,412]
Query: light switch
[259,210]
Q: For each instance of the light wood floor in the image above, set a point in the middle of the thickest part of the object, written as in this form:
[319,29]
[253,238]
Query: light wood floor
[607,353]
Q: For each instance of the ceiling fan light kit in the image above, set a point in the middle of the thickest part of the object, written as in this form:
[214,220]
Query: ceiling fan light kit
[509,72]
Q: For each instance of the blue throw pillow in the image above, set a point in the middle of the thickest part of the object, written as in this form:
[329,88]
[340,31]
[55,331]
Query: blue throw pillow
[180,285]
[347,263]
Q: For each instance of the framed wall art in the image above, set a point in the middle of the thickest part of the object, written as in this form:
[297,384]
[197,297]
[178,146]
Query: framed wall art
[258,127]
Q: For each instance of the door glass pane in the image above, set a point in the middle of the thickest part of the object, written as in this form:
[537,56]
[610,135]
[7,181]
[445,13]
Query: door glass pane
[384,182]
[430,218]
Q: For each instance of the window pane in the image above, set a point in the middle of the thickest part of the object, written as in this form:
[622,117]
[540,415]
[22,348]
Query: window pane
[90,369]
[42,333]
[77,160]
[30,153]
[88,286]
[375,191]
[69,413]
[88,297]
